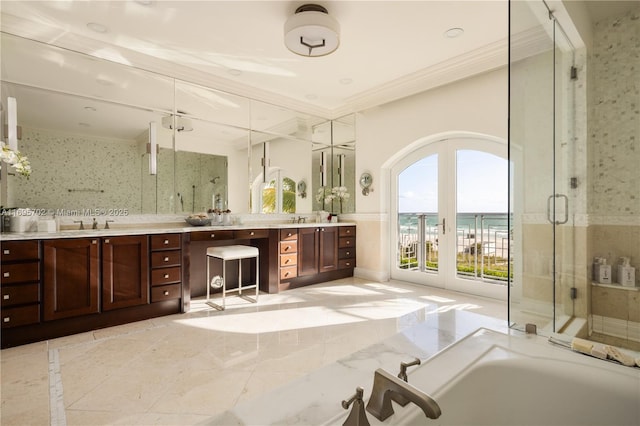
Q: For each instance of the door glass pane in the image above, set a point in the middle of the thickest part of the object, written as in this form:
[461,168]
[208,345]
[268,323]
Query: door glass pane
[418,216]
[482,239]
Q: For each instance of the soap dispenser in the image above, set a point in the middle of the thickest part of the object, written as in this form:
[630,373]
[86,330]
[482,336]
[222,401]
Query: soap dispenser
[602,271]
[626,273]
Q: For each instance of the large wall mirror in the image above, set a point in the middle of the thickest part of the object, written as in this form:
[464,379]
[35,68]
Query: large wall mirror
[87,125]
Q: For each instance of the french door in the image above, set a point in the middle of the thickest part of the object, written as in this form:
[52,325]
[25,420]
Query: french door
[449,216]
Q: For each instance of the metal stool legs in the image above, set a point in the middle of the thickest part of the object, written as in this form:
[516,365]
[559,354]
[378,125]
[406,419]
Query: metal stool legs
[224,281]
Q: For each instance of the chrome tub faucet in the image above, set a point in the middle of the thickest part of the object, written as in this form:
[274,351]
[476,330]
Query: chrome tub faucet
[387,387]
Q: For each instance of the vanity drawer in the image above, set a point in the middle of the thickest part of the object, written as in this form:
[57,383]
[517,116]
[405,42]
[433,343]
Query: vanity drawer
[288,234]
[165,292]
[347,231]
[288,247]
[20,294]
[212,235]
[289,259]
[346,253]
[22,315]
[165,242]
[165,276]
[346,263]
[163,259]
[20,272]
[345,242]
[288,272]
[19,250]
[248,234]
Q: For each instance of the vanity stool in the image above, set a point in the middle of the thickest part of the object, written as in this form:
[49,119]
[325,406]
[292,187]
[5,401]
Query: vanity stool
[226,253]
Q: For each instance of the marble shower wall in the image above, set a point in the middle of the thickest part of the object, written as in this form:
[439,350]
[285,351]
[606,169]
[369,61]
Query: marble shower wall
[614,172]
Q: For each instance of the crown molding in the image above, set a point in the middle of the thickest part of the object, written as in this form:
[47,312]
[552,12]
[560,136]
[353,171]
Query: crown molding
[463,66]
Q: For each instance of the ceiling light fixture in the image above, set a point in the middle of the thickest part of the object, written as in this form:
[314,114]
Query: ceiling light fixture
[99,28]
[311,31]
[453,32]
[183,124]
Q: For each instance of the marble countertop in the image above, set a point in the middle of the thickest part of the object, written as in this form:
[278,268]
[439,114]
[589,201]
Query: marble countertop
[155,228]
[316,398]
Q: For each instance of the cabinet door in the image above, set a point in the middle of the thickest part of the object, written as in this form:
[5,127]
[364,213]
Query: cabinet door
[71,277]
[328,260]
[125,272]
[308,251]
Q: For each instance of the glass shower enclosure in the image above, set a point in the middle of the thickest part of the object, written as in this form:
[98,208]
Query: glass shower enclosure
[545,190]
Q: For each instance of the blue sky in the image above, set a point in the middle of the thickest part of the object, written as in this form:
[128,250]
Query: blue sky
[482,184]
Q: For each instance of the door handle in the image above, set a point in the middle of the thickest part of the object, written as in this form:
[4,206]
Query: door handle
[566,209]
[444,225]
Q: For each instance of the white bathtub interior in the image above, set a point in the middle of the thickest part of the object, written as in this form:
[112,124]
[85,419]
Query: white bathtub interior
[491,378]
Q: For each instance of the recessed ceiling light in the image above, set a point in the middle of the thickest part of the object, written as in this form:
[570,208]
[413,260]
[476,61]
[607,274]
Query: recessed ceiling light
[103,81]
[234,71]
[84,124]
[145,2]
[99,28]
[90,108]
[453,32]
[311,96]
[346,80]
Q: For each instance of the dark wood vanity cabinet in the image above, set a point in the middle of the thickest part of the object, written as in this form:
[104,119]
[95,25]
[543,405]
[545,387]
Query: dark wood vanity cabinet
[288,254]
[20,283]
[71,278]
[125,271]
[166,267]
[347,247]
[317,250]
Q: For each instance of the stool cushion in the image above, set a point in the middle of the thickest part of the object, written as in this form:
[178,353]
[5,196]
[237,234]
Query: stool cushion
[232,252]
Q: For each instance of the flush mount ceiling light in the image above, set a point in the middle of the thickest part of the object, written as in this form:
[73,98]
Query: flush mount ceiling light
[311,31]
[182,124]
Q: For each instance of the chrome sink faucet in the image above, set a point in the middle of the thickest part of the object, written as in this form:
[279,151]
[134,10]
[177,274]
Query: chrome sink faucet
[387,387]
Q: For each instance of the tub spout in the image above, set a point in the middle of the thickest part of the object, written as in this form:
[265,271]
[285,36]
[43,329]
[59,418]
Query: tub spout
[387,387]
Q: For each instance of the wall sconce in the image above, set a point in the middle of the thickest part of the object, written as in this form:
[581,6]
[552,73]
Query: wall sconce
[302,189]
[152,148]
[12,122]
[365,182]
[323,168]
[265,161]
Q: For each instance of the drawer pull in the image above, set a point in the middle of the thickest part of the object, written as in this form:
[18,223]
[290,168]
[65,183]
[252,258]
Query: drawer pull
[6,251]
[348,253]
[5,296]
[289,234]
[287,261]
[166,242]
[6,274]
[322,229]
[6,319]
[166,259]
[252,233]
[287,248]
[106,241]
[348,242]
[166,293]
[94,241]
[166,275]
[286,274]
[213,235]
[348,264]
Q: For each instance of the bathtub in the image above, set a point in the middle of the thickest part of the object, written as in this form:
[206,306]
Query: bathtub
[491,378]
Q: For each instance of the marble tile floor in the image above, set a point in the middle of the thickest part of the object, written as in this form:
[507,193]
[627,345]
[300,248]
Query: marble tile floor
[188,368]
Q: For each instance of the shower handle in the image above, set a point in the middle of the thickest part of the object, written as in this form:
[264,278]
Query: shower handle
[566,209]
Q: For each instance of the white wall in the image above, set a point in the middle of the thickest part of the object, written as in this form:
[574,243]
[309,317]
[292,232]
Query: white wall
[478,104]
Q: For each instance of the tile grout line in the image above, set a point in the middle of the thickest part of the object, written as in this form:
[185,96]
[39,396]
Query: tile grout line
[56,397]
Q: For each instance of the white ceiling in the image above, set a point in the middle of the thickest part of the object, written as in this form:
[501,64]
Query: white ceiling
[388,49]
